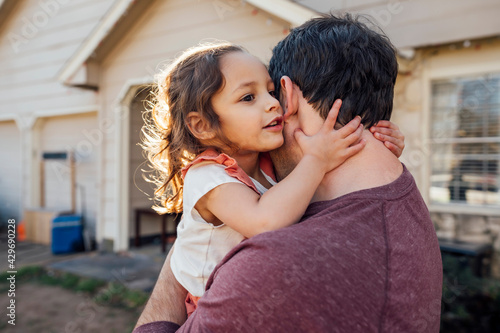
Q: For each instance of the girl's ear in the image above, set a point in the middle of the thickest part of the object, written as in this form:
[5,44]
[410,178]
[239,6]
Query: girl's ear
[199,126]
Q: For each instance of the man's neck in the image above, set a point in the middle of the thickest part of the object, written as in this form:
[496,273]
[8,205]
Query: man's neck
[374,166]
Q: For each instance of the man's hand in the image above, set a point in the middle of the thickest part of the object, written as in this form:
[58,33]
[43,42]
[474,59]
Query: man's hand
[166,302]
[390,135]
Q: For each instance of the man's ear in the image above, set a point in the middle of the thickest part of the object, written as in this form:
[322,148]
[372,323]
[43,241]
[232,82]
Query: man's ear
[290,101]
[199,126]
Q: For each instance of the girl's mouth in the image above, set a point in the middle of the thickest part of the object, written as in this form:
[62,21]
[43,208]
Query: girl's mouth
[276,123]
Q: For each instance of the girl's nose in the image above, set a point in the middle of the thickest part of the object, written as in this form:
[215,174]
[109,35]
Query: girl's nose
[274,104]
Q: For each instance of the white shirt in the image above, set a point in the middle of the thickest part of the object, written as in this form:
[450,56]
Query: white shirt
[201,245]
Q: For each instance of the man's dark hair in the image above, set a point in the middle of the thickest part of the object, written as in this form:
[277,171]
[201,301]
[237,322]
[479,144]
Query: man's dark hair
[333,57]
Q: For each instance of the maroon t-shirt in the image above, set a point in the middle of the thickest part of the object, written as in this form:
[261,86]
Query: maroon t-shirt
[368,261]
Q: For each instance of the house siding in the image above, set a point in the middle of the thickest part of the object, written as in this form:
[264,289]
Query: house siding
[164,30]
[411,23]
[28,70]
[36,40]
[10,173]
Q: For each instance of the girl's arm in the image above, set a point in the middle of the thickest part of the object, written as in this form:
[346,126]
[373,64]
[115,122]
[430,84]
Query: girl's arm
[390,135]
[284,204]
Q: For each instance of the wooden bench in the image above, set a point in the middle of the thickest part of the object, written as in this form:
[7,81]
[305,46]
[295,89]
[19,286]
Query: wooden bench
[139,212]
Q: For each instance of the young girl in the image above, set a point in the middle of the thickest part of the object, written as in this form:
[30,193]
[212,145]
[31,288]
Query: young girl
[214,118]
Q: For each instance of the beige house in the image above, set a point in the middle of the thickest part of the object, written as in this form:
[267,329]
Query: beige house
[73,75]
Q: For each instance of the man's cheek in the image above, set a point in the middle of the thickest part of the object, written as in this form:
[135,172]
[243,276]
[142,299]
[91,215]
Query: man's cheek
[291,146]
[288,133]
[312,126]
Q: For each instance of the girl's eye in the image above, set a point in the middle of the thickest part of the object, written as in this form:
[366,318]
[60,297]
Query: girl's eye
[272,93]
[247,98]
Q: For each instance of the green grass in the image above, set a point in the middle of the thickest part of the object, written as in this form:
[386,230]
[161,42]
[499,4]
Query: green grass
[117,295]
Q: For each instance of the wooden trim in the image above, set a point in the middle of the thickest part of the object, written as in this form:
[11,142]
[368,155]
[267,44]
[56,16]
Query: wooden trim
[124,93]
[42,183]
[122,173]
[92,42]
[27,121]
[464,209]
[286,10]
[8,117]
[66,111]
[121,186]
[71,161]
[425,134]
[471,67]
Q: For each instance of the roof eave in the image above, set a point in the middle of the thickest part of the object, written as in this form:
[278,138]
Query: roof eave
[288,11]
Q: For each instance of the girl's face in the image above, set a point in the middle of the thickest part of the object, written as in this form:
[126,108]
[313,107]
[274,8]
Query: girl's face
[249,115]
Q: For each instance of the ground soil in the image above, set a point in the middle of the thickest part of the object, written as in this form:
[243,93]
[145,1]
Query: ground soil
[46,309]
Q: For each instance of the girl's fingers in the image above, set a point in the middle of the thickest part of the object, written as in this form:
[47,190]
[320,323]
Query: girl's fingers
[395,145]
[389,138]
[387,131]
[381,130]
[354,149]
[386,123]
[331,119]
[393,148]
[350,127]
[354,137]
[399,142]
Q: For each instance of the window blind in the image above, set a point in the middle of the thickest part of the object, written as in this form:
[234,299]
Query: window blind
[465,140]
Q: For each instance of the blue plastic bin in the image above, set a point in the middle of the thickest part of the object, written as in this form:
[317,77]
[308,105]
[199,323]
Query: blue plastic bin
[67,234]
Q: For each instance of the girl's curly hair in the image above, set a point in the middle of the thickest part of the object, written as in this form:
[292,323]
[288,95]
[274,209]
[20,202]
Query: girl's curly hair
[186,85]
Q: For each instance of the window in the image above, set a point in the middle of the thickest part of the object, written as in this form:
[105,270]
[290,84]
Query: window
[465,141]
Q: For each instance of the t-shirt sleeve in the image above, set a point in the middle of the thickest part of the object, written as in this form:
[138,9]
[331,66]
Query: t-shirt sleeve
[201,179]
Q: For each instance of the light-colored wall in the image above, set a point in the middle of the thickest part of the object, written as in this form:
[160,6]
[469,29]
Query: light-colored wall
[10,173]
[35,42]
[167,28]
[417,23]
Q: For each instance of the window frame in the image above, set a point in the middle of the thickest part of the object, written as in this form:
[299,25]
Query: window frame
[449,66]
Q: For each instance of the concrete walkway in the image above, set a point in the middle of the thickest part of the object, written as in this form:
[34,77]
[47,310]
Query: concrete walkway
[136,269]
[28,254]
[133,269]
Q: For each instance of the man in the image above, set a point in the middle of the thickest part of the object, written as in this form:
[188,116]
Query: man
[365,256]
